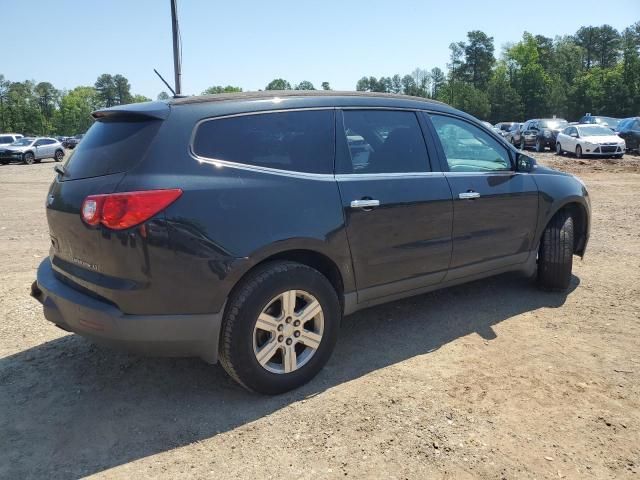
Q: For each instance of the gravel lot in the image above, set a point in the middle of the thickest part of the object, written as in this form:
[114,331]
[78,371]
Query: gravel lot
[493,379]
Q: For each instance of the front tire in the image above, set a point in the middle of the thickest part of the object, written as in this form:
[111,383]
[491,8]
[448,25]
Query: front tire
[559,148]
[578,151]
[523,145]
[280,327]
[58,156]
[28,158]
[539,146]
[555,257]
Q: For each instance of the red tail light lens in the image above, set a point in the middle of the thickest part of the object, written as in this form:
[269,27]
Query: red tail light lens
[126,209]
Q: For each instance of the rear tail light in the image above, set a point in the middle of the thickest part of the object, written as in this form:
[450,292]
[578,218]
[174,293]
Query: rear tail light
[126,209]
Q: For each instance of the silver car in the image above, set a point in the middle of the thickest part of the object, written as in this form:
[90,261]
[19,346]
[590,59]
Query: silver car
[31,150]
[9,138]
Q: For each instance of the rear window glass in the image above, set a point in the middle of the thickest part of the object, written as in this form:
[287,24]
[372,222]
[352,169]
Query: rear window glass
[297,141]
[110,147]
[6,139]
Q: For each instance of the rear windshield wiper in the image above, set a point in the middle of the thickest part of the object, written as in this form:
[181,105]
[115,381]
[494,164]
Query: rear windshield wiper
[59,169]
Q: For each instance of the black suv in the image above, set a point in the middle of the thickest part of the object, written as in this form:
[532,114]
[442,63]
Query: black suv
[244,227]
[541,133]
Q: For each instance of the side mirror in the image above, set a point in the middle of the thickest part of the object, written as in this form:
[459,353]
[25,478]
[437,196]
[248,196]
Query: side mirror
[525,163]
[574,135]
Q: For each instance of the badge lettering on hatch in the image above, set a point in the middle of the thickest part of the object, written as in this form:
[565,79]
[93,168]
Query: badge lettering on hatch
[92,266]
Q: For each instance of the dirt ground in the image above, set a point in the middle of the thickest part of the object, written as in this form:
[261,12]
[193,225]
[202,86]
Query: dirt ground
[493,379]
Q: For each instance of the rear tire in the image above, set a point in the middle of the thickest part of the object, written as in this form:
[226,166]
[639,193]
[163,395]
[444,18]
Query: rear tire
[252,299]
[28,158]
[555,257]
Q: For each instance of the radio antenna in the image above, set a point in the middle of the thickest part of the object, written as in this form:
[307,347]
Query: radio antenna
[165,82]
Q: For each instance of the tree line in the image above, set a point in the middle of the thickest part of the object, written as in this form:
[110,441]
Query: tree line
[595,70]
[41,109]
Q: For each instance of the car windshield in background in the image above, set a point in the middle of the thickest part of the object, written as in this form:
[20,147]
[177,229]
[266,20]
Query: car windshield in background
[23,142]
[554,124]
[611,122]
[595,131]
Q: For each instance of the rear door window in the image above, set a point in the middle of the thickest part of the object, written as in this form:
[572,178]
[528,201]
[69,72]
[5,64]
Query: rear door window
[383,141]
[110,147]
[300,141]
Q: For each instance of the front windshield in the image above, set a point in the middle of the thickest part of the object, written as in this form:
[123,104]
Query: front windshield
[23,142]
[595,131]
[555,124]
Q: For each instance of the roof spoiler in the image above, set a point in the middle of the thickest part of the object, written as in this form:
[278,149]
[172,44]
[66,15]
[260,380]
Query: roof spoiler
[134,112]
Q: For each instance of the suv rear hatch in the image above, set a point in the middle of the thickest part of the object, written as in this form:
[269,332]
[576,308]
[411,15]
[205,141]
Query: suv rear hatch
[108,264]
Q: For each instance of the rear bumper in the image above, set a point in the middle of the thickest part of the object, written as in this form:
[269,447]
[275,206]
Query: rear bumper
[164,335]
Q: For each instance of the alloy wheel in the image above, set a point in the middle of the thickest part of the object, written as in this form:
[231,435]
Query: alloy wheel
[288,331]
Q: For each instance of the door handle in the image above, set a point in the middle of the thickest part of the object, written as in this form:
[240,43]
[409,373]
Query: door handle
[365,203]
[469,195]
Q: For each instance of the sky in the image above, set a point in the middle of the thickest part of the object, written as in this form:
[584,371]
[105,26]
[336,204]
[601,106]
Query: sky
[249,43]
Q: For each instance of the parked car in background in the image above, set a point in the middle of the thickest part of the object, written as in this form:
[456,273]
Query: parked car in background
[173,227]
[590,140]
[491,127]
[610,122]
[513,134]
[541,133]
[31,150]
[504,127]
[629,130]
[9,138]
[72,142]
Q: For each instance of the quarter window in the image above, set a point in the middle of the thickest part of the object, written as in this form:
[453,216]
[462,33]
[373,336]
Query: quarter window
[383,141]
[468,148]
[301,141]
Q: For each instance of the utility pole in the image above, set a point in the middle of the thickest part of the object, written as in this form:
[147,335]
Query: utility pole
[177,68]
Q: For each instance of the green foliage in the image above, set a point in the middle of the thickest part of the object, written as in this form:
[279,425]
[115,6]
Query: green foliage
[503,98]
[278,84]
[74,114]
[479,58]
[34,108]
[163,96]
[305,85]
[139,99]
[220,89]
[326,86]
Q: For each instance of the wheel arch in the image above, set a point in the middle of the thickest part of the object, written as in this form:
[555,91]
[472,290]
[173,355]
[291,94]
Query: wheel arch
[340,276]
[579,213]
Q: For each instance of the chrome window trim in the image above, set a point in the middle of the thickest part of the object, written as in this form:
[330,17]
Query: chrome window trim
[384,176]
[494,172]
[294,173]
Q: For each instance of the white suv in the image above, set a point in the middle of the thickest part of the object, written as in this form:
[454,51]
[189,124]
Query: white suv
[8,138]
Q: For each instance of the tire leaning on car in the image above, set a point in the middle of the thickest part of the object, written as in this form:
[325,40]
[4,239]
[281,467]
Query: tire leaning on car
[555,256]
[265,318]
